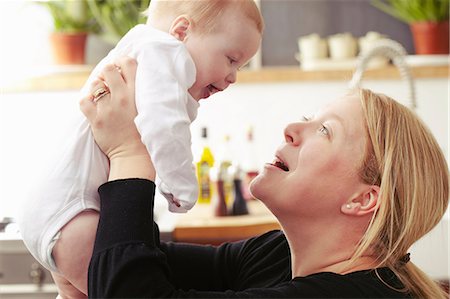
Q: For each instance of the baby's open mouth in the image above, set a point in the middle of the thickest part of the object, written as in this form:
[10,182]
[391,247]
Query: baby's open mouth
[280,164]
[212,89]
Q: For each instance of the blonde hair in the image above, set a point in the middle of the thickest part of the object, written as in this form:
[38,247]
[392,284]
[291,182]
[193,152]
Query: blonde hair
[205,13]
[404,159]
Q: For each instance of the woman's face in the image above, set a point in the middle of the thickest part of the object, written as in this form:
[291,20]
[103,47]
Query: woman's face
[315,170]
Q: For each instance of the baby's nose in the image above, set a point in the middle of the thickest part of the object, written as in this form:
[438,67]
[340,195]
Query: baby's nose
[231,78]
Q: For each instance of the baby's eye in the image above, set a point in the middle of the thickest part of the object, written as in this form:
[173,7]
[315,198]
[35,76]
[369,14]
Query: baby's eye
[306,118]
[231,60]
[243,66]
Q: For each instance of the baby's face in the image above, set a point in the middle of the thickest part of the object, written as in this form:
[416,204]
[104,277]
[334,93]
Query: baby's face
[218,55]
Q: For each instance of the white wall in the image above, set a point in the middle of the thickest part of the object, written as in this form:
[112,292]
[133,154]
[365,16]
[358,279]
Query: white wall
[269,107]
[31,123]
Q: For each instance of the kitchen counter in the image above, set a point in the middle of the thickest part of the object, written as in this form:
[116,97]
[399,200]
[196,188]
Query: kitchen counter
[200,226]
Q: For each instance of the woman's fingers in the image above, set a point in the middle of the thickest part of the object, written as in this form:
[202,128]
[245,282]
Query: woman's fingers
[87,106]
[120,77]
[127,66]
[113,78]
[110,110]
[98,89]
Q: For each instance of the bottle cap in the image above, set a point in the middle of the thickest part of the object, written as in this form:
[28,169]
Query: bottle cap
[204,132]
[250,133]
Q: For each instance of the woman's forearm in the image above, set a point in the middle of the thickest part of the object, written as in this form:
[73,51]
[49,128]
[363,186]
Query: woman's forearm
[126,223]
[127,261]
[136,166]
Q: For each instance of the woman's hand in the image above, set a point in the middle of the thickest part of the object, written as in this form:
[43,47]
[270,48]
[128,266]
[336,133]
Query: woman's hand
[112,116]
[112,121]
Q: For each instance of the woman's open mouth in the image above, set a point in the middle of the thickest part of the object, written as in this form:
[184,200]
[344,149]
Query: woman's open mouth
[280,164]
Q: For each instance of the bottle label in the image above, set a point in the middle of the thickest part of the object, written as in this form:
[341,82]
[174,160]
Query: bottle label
[204,183]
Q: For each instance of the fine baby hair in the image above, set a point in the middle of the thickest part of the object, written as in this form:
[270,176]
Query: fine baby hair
[202,13]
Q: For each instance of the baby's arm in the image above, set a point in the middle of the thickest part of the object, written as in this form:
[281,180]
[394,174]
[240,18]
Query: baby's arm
[73,250]
[165,112]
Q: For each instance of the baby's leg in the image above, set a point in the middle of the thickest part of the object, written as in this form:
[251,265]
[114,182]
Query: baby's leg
[73,250]
[65,289]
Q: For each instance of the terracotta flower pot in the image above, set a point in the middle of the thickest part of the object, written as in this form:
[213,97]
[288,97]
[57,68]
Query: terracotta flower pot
[431,37]
[68,48]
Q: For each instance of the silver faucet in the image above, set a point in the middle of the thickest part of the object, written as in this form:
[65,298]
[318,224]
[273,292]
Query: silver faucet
[394,51]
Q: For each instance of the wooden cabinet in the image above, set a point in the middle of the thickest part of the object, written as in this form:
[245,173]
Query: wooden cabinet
[20,274]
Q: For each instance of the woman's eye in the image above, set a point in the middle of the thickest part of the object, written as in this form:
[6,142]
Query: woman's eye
[324,130]
[306,118]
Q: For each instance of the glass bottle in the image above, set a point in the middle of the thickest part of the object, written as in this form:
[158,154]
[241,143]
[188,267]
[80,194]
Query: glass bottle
[224,162]
[239,204]
[250,165]
[203,166]
[219,201]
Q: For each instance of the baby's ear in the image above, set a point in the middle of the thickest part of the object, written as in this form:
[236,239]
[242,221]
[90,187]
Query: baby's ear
[364,203]
[179,27]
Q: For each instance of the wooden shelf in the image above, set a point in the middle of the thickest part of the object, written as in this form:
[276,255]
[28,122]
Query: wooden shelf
[52,78]
[289,74]
[73,77]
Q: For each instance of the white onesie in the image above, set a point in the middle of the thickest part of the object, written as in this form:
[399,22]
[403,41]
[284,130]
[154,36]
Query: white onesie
[165,72]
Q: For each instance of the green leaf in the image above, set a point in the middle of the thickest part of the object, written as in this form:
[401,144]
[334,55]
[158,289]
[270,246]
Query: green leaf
[117,17]
[71,16]
[410,11]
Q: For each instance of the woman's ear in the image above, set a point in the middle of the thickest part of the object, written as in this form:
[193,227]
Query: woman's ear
[364,203]
[179,27]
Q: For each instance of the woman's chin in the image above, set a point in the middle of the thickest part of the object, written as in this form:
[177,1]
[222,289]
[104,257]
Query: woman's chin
[257,187]
[252,189]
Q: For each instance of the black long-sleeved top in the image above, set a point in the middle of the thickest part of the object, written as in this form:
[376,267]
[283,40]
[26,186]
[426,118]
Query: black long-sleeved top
[129,261]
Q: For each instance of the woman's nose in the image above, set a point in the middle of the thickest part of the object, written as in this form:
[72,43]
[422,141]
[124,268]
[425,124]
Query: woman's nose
[292,133]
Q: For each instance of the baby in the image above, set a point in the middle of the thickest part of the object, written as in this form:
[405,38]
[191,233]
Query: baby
[187,51]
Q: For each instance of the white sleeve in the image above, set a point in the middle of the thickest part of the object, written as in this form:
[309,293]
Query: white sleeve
[163,78]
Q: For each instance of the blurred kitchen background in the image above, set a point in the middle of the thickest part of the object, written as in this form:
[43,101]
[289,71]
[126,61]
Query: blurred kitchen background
[310,52]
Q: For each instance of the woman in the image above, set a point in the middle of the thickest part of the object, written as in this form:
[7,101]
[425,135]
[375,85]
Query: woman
[353,188]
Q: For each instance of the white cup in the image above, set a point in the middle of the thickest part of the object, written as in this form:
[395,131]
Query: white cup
[342,46]
[369,40]
[312,47]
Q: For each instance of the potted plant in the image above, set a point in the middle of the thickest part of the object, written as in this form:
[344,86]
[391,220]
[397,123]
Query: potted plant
[117,17]
[428,21]
[72,22]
